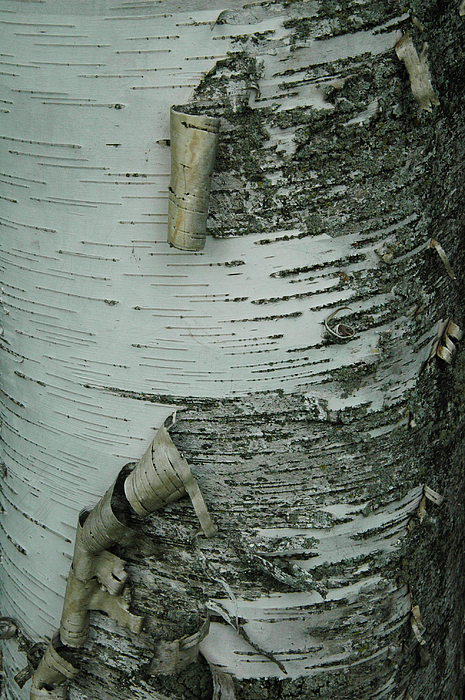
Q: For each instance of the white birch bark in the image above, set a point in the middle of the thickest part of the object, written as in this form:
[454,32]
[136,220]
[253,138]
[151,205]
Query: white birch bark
[301,444]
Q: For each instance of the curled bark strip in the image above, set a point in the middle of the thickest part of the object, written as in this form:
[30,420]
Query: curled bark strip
[149,487]
[432,243]
[96,594]
[223,685]
[57,693]
[462,9]
[194,140]
[8,627]
[163,476]
[97,531]
[101,528]
[97,578]
[172,657]
[417,68]
[417,625]
[341,331]
[34,655]
[111,573]
[446,348]
[74,625]
[422,509]
[53,670]
[433,495]
[443,347]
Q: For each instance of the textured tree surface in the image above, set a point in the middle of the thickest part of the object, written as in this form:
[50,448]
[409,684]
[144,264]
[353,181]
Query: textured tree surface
[330,456]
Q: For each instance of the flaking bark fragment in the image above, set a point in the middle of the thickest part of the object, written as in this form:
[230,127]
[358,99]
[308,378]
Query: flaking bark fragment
[83,596]
[341,332]
[444,347]
[223,685]
[432,243]
[172,657]
[8,628]
[163,476]
[418,70]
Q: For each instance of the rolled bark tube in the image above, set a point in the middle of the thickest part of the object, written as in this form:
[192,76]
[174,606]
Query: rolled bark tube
[74,625]
[83,560]
[102,529]
[163,476]
[153,483]
[53,669]
[194,140]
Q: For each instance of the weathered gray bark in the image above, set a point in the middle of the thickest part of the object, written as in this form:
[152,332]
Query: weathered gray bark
[313,455]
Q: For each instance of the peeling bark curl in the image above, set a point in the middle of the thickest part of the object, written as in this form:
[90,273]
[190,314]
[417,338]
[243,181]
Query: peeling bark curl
[97,579]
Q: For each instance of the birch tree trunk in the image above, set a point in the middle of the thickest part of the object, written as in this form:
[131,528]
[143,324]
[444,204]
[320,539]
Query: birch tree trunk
[307,350]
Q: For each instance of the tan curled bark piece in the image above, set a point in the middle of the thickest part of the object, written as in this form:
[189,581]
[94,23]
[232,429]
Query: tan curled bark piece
[223,685]
[443,347]
[148,487]
[87,564]
[34,655]
[417,68]
[194,140]
[462,9]
[342,332]
[446,348]
[101,529]
[453,330]
[183,471]
[83,596]
[432,243]
[74,625]
[172,657]
[432,496]
[417,625]
[116,607]
[57,693]
[163,476]
[53,670]
[97,578]
[111,573]
[422,509]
